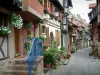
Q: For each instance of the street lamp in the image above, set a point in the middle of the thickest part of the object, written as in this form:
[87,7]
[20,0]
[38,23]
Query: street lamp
[56,13]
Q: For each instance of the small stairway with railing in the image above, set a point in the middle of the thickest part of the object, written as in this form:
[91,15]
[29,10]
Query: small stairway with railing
[32,64]
[17,67]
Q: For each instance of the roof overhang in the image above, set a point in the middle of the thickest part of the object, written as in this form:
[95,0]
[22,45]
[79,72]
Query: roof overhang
[58,5]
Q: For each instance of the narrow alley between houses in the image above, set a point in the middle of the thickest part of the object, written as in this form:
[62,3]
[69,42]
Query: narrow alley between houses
[80,64]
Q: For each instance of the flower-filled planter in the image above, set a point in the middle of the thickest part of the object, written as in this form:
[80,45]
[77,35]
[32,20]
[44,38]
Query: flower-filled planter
[43,36]
[30,37]
[16,21]
[4,31]
[27,46]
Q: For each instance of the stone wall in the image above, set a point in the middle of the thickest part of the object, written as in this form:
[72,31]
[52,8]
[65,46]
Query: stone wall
[98,44]
[39,64]
[2,65]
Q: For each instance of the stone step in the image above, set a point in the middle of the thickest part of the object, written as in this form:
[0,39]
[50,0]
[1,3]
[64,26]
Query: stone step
[19,67]
[15,72]
[21,61]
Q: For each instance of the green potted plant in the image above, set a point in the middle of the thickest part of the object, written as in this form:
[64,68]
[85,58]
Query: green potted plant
[51,57]
[30,37]
[42,36]
[45,47]
[27,46]
[4,31]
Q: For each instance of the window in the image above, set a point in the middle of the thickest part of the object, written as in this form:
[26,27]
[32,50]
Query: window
[3,19]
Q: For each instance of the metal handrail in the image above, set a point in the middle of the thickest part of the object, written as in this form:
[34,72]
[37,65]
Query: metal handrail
[33,54]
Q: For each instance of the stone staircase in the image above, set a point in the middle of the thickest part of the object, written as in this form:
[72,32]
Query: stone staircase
[17,67]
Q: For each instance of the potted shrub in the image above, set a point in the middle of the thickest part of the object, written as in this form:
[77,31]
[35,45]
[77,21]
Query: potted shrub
[27,46]
[30,37]
[45,47]
[51,57]
[4,31]
[43,36]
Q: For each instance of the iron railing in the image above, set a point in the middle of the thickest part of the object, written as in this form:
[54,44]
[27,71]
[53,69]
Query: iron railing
[35,51]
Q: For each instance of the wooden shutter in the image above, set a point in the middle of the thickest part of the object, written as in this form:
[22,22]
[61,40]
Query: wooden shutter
[40,30]
[57,36]
[47,35]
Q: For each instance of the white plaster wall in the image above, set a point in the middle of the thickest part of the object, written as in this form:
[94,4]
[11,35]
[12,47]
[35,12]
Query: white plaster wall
[52,28]
[37,31]
[11,44]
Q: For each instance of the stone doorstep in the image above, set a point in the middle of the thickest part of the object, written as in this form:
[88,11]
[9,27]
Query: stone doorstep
[20,67]
[21,61]
[18,61]
[15,72]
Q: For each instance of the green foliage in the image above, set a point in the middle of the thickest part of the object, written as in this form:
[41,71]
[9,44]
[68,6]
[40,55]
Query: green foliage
[45,11]
[44,46]
[42,2]
[27,25]
[51,56]
[62,48]
[53,50]
[4,31]
[43,36]
[16,21]
[27,46]
[30,37]
[55,44]
[52,16]
[60,21]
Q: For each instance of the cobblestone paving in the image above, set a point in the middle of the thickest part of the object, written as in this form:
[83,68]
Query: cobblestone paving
[80,64]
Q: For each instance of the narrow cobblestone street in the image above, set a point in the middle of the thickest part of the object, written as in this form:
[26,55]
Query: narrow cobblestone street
[80,64]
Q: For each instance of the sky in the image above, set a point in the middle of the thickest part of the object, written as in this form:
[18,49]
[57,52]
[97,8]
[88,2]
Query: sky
[82,7]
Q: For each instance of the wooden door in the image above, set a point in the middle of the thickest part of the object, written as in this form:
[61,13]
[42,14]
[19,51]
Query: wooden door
[17,35]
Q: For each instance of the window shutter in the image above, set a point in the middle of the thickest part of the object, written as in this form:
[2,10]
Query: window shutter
[40,32]
[57,36]
[47,35]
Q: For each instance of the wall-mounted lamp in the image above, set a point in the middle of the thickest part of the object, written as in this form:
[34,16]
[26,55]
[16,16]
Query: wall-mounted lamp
[56,13]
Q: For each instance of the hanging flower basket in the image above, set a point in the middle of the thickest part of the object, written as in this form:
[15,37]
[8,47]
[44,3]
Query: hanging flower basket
[4,31]
[16,21]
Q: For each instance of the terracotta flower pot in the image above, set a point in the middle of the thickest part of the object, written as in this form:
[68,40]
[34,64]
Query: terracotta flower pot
[47,65]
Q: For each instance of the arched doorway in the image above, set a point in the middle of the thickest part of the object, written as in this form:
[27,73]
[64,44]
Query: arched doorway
[51,38]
